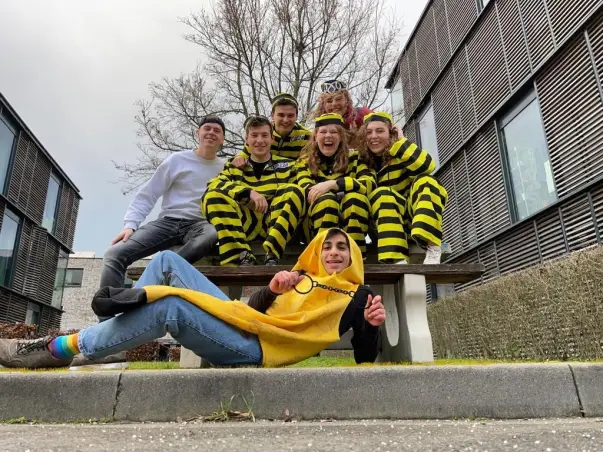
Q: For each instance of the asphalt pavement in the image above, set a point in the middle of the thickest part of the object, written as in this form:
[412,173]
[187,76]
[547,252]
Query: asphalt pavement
[573,434]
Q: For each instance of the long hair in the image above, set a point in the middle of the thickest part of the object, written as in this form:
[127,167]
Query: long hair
[366,155]
[311,153]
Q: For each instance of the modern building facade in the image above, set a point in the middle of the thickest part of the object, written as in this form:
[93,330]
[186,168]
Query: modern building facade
[508,96]
[38,213]
[82,281]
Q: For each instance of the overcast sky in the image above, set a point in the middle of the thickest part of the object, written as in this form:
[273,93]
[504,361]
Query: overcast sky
[72,70]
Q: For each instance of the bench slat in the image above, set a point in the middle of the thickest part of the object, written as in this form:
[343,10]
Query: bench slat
[373,273]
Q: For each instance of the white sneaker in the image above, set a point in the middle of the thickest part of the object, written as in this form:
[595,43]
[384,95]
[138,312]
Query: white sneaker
[433,255]
[401,262]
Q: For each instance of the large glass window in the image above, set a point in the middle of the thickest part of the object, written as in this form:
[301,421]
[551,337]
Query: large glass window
[50,208]
[427,134]
[74,277]
[8,244]
[7,141]
[528,160]
[59,280]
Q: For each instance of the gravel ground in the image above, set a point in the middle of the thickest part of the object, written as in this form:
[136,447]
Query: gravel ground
[374,436]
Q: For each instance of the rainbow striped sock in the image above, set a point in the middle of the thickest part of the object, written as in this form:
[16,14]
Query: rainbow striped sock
[64,347]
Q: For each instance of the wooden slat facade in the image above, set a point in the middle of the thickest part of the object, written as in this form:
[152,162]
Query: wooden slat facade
[496,56]
[36,249]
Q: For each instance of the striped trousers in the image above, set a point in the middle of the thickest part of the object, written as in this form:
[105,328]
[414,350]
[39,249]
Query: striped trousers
[238,225]
[350,213]
[395,217]
[388,209]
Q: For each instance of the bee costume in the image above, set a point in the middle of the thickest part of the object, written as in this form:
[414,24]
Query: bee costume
[407,199]
[349,207]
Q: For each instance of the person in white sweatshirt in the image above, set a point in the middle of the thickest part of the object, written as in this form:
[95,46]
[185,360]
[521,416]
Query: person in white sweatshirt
[181,180]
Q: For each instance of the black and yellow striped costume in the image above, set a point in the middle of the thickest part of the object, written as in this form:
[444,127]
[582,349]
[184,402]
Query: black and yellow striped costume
[225,206]
[290,146]
[406,200]
[348,208]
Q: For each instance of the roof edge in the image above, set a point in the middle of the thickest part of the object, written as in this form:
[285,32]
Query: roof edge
[4,101]
[395,71]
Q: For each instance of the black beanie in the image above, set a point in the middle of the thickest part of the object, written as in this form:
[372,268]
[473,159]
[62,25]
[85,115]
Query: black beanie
[212,119]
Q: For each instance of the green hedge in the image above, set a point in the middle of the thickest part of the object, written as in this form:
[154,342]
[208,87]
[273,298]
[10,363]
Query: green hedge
[550,311]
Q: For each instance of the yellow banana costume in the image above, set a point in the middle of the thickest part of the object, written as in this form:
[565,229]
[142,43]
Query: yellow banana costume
[296,326]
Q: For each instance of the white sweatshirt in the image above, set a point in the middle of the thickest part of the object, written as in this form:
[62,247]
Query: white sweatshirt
[181,179]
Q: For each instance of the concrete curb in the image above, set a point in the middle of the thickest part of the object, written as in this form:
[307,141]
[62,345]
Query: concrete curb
[429,392]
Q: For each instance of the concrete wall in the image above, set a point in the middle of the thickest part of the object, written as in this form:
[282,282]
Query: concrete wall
[76,300]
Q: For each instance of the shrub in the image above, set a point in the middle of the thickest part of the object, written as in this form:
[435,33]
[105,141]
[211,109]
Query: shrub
[550,311]
[17,331]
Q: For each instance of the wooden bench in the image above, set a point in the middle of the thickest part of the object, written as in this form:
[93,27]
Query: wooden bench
[406,335]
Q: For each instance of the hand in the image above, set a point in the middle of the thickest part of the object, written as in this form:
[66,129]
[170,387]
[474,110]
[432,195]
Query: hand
[374,313]
[284,281]
[239,161]
[320,189]
[257,202]
[122,236]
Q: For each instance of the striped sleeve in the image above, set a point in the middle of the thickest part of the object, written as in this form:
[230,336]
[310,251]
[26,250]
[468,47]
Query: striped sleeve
[350,182]
[366,176]
[416,161]
[302,175]
[228,181]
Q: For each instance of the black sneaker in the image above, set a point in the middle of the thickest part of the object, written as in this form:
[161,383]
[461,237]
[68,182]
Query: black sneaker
[270,260]
[247,259]
[29,354]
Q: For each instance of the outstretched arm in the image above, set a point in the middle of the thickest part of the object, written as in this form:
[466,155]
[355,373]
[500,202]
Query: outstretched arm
[281,283]
[149,193]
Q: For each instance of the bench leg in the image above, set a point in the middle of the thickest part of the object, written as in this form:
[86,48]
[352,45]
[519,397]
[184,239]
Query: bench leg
[188,359]
[414,339]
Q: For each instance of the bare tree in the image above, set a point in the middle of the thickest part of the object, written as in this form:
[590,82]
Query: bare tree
[255,49]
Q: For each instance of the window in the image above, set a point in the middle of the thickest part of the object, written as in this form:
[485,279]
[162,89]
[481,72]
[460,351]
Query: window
[528,164]
[50,208]
[33,314]
[8,240]
[59,280]
[74,277]
[397,97]
[427,134]
[7,141]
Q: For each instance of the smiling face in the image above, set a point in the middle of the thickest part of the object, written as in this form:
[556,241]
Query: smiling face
[336,103]
[335,254]
[210,135]
[328,139]
[377,137]
[258,140]
[284,117]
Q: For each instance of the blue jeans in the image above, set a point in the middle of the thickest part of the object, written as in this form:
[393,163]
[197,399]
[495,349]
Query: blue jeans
[209,337]
[198,237]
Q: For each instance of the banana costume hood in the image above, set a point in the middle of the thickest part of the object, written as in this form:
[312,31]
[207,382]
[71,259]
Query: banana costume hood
[296,326]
